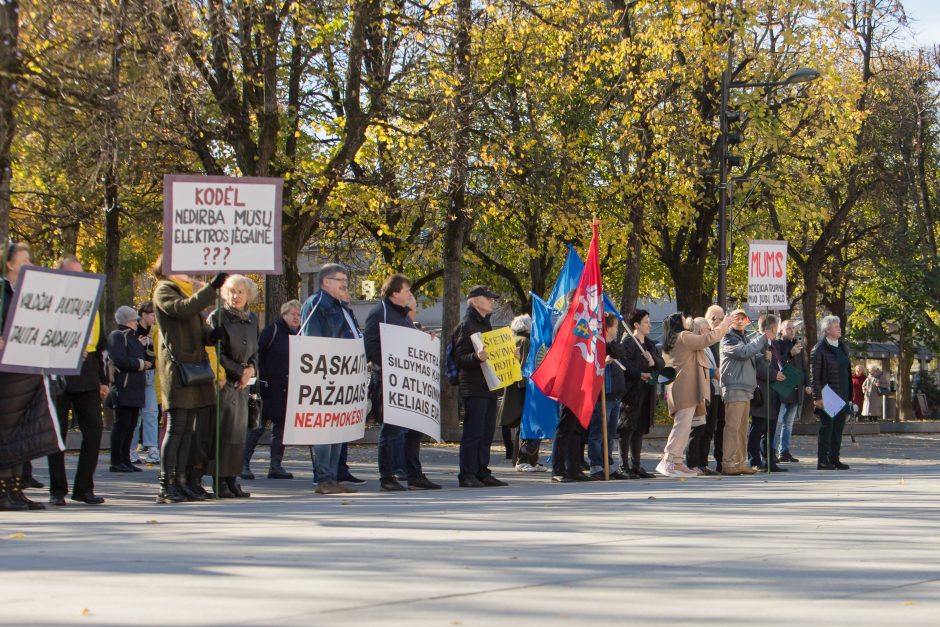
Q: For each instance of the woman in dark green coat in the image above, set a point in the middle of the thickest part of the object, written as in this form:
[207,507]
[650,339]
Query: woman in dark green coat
[178,302]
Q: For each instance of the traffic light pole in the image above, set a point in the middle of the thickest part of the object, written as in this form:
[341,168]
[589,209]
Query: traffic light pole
[723,198]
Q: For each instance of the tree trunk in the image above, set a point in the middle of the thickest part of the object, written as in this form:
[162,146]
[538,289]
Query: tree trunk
[905,397]
[810,299]
[457,219]
[689,279]
[9,96]
[631,271]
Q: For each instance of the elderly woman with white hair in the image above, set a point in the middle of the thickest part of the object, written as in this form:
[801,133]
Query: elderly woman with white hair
[239,361]
[512,403]
[831,365]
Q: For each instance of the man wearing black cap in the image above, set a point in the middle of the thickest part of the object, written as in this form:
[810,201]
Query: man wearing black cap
[479,421]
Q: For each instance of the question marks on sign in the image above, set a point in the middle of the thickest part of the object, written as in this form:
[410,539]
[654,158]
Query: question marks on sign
[228,251]
[205,255]
[215,253]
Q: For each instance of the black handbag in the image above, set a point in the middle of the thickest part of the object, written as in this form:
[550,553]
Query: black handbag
[758,399]
[195,372]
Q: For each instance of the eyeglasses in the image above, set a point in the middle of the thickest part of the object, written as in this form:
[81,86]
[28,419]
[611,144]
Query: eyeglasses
[337,279]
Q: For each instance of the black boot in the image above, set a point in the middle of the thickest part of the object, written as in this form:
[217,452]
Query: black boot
[235,489]
[276,471]
[8,502]
[251,441]
[192,489]
[17,493]
[169,492]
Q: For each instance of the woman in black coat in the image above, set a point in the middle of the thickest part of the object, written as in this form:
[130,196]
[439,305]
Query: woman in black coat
[27,430]
[273,369]
[128,385]
[638,405]
[831,365]
[239,360]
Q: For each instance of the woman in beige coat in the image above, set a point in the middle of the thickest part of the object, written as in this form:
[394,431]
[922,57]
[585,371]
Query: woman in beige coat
[688,394]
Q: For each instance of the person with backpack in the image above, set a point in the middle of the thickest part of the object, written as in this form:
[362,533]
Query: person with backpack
[393,309]
[479,421]
[273,370]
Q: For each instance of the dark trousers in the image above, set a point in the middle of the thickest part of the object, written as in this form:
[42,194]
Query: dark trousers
[122,432]
[830,436]
[178,439]
[700,440]
[387,452]
[718,407]
[631,446]
[508,441]
[479,425]
[86,407]
[757,440]
[529,451]
[569,447]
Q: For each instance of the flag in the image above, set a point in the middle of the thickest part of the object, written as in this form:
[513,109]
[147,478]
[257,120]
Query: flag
[568,280]
[539,413]
[572,371]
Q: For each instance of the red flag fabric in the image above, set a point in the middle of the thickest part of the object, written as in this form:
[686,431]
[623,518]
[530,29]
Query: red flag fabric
[572,372]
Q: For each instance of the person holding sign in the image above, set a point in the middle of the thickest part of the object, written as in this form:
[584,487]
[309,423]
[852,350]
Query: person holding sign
[479,420]
[791,352]
[394,310]
[831,367]
[238,328]
[186,380]
[27,430]
[769,368]
[327,314]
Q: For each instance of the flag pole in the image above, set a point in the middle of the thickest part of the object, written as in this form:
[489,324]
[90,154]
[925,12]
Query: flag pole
[603,385]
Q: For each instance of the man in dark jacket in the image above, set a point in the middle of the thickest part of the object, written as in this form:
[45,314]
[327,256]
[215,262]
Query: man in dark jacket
[82,396]
[393,309]
[327,314]
[479,420]
[831,365]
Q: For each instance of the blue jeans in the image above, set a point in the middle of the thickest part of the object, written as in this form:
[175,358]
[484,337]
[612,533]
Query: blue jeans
[596,434]
[785,422]
[479,425]
[149,416]
[326,461]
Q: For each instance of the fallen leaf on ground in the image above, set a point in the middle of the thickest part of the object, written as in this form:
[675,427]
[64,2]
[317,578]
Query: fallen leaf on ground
[86,611]
[16,536]
[152,522]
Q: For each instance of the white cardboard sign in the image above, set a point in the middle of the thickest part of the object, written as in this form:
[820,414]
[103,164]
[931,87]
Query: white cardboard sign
[50,320]
[767,275]
[327,390]
[411,379]
[222,224]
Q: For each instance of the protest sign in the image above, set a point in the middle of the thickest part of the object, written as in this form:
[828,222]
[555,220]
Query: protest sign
[327,390]
[50,320]
[222,224]
[501,367]
[411,379]
[767,275]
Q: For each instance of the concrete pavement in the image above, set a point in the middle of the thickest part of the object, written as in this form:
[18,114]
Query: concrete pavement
[860,547]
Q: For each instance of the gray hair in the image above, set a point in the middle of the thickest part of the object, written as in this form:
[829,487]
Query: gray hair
[521,324]
[330,270]
[233,280]
[291,304]
[698,324]
[827,322]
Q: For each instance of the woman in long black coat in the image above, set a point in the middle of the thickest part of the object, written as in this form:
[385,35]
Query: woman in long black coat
[26,424]
[638,405]
[128,385]
[239,359]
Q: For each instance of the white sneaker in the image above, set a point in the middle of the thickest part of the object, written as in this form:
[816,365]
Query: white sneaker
[669,469]
[524,468]
[539,468]
[153,455]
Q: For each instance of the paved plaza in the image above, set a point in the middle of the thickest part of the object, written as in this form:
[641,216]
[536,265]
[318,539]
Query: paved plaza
[860,547]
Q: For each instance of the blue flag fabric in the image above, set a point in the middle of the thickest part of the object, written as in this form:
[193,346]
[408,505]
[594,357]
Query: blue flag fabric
[540,413]
[568,280]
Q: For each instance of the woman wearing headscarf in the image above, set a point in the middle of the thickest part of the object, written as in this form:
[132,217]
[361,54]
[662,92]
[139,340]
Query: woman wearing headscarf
[831,365]
[688,394]
[238,338]
[178,302]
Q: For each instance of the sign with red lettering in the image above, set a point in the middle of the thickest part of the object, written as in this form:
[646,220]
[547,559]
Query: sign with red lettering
[222,224]
[411,379]
[327,390]
[767,275]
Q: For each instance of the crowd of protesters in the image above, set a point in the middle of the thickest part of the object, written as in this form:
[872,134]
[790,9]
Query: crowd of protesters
[158,367]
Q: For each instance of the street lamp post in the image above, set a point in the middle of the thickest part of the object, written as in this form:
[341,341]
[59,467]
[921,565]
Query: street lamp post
[801,75]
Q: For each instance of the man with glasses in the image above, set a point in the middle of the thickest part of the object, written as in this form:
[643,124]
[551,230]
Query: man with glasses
[327,314]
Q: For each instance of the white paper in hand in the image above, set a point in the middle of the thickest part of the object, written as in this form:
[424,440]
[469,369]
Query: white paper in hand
[832,402]
[492,380]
